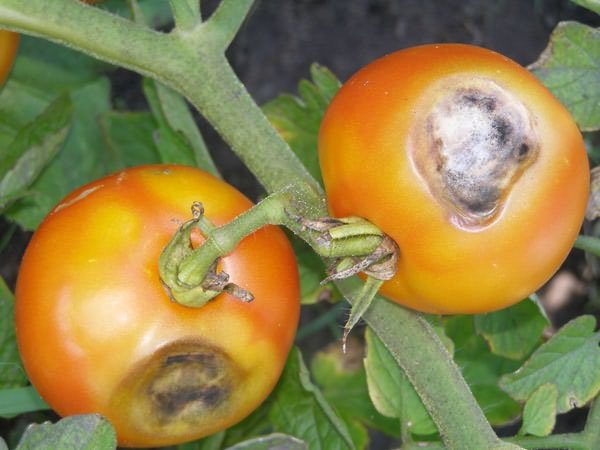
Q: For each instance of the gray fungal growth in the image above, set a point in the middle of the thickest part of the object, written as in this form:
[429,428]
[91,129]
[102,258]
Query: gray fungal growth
[475,142]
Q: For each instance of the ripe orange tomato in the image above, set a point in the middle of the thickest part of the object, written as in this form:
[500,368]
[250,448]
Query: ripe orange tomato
[9,42]
[469,163]
[98,333]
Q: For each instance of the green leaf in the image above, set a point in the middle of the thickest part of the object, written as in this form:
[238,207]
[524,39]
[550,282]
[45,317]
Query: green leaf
[156,13]
[81,159]
[272,442]
[570,68]
[20,400]
[212,442]
[33,148]
[570,360]
[51,69]
[343,381]
[513,332]
[298,408]
[255,424]
[172,145]
[539,414]
[592,5]
[128,138]
[177,115]
[11,369]
[482,370]
[89,432]
[391,392]
[297,118]
[311,269]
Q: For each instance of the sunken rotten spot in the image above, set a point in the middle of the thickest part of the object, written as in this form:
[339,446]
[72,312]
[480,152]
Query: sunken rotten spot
[472,146]
[191,383]
[179,387]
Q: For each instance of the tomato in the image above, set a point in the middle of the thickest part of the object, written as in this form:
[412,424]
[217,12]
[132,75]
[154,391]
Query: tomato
[461,156]
[9,42]
[98,333]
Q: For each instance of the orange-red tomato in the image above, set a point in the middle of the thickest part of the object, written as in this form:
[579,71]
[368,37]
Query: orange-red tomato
[471,165]
[98,333]
[9,42]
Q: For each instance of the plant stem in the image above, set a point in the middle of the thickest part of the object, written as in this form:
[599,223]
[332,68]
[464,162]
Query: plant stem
[430,369]
[193,68]
[186,14]
[226,21]
[592,425]
[589,244]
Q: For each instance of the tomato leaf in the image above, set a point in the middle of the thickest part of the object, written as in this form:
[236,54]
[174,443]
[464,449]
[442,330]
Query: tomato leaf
[570,360]
[156,14]
[592,5]
[299,408]
[312,271]
[569,68]
[81,159]
[391,392]
[128,138]
[343,380]
[20,400]
[177,137]
[297,118]
[33,148]
[89,432]
[272,441]
[212,442]
[254,425]
[539,414]
[513,332]
[482,370]
[11,369]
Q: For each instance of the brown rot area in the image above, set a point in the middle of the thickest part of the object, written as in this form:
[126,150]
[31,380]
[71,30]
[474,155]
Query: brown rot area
[471,146]
[180,389]
[187,384]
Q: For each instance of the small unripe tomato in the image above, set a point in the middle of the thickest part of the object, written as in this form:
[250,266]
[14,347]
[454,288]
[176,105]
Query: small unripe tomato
[468,162]
[98,333]
[9,42]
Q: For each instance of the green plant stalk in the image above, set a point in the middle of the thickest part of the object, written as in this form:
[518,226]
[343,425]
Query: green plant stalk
[186,14]
[588,439]
[431,370]
[588,244]
[188,63]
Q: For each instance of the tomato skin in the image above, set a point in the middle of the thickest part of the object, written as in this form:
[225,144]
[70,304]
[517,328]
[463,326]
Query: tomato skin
[367,149]
[9,42]
[97,332]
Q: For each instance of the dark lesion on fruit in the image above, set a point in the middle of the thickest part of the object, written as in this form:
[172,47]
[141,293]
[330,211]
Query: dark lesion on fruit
[179,387]
[187,384]
[476,141]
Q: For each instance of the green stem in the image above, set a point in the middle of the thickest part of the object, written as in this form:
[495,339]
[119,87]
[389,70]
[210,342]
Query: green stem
[193,68]
[222,240]
[429,367]
[226,21]
[592,425]
[589,244]
[186,14]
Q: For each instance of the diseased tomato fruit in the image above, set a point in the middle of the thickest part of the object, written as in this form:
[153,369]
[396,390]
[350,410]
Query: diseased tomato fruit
[98,333]
[469,163]
[9,42]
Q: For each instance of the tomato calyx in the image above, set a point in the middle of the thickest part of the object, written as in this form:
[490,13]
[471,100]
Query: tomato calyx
[196,288]
[354,245]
